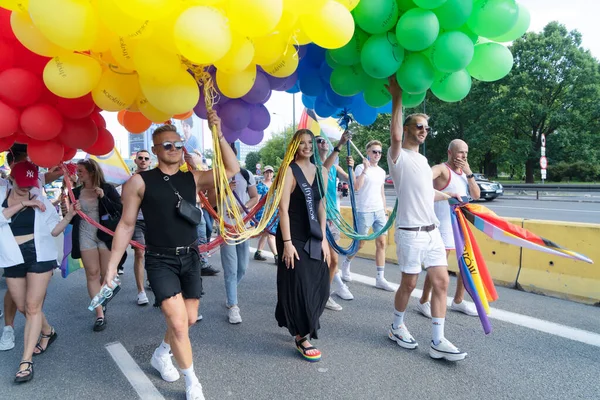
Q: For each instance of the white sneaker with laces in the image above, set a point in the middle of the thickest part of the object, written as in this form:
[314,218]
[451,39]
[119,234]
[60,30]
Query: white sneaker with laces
[402,337]
[200,317]
[142,299]
[164,365]
[345,271]
[194,392]
[465,308]
[446,350]
[234,315]
[7,342]
[383,284]
[424,308]
[332,305]
[343,293]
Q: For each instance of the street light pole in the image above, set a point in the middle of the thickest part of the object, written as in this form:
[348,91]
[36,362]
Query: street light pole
[294,112]
[425,142]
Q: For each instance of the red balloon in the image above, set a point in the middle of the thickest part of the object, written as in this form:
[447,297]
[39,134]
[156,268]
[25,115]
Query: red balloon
[98,120]
[5,28]
[79,133]
[48,97]
[7,142]
[41,122]
[80,107]
[69,153]
[45,154]
[20,87]
[7,55]
[22,138]
[104,145]
[9,120]
[28,60]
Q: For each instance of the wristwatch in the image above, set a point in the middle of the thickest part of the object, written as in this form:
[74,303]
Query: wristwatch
[336,149]
[470,176]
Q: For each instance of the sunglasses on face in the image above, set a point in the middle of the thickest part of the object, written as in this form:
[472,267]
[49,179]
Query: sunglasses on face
[320,141]
[422,126]
[172,145]
[143,158]
[376,151]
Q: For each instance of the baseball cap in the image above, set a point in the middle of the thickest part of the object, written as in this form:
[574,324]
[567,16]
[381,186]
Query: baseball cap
[25,174]
[268,168]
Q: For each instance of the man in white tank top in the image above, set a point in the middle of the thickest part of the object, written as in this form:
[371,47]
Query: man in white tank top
[453,176]
[418,240]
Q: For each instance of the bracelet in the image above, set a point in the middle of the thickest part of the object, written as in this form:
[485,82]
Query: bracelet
[289,240]
[470,176]
[336,149]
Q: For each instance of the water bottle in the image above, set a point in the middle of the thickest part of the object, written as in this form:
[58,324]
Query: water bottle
[105,294]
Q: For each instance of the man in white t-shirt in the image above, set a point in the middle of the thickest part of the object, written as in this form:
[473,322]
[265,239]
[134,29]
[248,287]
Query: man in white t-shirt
[370,208]
[418,239]
[453,176]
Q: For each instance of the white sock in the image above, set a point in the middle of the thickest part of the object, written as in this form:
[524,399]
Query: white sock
[438,329]
[398,319]
[380,272]
[346,262]
[163,349]
[190,376]
[337,280]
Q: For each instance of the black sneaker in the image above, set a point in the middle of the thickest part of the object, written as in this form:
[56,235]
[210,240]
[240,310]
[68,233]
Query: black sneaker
[259,257]
[209,270]
[120,271]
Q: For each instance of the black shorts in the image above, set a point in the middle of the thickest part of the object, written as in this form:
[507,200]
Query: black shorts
[30,263]
[170,275]
[139,234]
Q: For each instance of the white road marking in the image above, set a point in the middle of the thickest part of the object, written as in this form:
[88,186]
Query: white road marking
[545,209]
[136,377]
[553,328]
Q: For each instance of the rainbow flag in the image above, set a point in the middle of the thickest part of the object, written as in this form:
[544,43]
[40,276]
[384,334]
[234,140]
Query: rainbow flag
[114,167]
[3,166]
[69,264]
[328,127]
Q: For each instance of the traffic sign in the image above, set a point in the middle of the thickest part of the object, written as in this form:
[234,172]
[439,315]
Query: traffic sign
[543,152]
[543,162]
[543,174]
[543,140]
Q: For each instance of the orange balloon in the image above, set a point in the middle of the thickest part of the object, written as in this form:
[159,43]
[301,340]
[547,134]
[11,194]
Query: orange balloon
[120,116]
[135,122]
[184,115]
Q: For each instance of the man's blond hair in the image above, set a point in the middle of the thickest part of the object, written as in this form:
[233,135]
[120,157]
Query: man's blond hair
[373,143]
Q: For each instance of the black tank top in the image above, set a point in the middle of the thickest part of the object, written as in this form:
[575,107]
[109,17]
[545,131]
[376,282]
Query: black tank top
[22,223]
[164,227]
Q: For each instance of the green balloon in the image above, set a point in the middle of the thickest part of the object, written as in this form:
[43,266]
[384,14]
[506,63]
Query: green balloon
[429,4]
[454,13]
[350,53]
[451,87]
[405,5]
[348,81]
[416,74]
[376,16]
[493,18]
[330,61]
[412,100]
[417,29]
[520,27]
[381,56]
[452,51]
[491,62]
[376,93]
[467,31]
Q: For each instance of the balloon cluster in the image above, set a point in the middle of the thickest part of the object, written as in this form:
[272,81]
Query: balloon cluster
[53,127]
[437,45]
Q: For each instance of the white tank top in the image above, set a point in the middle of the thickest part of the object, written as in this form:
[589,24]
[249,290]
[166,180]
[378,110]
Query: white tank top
[458,184]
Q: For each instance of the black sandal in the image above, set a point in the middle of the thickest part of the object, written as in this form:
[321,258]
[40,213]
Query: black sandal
[28,370]
[100,324]
[51,338]
[303,350]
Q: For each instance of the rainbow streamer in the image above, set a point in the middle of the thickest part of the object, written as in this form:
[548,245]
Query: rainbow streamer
[114,167]
[69,264]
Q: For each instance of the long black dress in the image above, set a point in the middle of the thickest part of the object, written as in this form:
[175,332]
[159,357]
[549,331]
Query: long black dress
[302,292]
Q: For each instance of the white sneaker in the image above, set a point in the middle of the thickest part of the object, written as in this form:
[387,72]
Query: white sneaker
[465,308]
[343,292]
[142,299]
[403,337]
[194,392]
[345,270]
[7,342]
[200,317]
[332,305]
[164,365]
[234,315]
[446,350]
[383,284]
[424,308]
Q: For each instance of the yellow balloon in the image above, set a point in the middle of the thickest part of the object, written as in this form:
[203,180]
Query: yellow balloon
[254,17]
[103,39]
[71,24]
[116,91]
[31,37]
[299,35]
[236,85]
[162,34]
[148,9]
[153,62]
[285,66]
[202,35]
[349,4]
[122,23]
[72,75]
[269,49]
[304,6]
[331,27]
[151,112]
[288,20]
[177,97]
[239,57]
[204,2]
[15,5]
[122,50]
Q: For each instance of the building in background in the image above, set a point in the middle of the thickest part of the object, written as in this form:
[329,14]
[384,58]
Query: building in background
[243,149]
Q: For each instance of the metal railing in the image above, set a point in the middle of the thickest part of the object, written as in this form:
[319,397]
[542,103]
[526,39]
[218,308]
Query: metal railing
[550,187]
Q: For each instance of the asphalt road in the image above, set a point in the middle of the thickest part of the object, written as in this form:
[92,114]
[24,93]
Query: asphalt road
[256,360]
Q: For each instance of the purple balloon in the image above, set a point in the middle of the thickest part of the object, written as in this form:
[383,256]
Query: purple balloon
[200,109]
[301,51]
[250,137]
[235,114]
[229,134]
[283,84]
[267,98]
[259,118]
[259,91]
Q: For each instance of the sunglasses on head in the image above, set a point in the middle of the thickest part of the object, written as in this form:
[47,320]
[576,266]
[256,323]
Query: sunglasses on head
[170,145]
[422,126]
[376,151]
[143,158]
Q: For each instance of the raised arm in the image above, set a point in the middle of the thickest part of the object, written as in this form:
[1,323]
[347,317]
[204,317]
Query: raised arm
[397,128]
[334,154]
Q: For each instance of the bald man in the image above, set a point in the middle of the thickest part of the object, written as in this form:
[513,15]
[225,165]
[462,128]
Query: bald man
[453,176]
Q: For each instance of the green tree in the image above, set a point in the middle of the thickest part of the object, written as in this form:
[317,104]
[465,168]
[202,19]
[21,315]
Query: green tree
[252,159]
[274,149]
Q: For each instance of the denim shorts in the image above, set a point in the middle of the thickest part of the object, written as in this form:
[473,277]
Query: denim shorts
[374,219]
[30,263]
[170,275]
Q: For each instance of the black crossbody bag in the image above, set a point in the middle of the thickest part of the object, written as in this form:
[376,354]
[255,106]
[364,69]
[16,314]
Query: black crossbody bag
[185,209]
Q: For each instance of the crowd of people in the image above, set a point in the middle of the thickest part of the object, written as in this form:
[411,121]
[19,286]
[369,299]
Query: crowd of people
[159,208]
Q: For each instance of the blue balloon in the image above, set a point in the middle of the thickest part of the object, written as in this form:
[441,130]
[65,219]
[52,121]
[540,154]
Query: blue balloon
[325,73]
[301,51]
[323,108]
[337,100]
[363,113]
[308,101]
[315,55]
[387,109]
[294,89]
[310,82]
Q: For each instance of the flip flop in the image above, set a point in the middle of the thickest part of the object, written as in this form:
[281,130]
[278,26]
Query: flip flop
[302,350]
[51,338]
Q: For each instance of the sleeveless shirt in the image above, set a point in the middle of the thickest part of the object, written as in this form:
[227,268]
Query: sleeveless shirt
[458,184]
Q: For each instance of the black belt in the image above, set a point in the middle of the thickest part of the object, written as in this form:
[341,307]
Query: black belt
[428,228]
[172,251]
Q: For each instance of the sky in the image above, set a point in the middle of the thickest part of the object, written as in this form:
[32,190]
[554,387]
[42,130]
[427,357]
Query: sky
[574,14]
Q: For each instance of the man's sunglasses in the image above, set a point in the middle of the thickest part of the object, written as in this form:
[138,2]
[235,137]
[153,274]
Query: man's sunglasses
[376,151]
[319,141]
[143,158]
[422,126]
[170,145]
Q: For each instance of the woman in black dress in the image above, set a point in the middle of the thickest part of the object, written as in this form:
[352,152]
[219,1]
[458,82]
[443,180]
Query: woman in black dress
[302,271]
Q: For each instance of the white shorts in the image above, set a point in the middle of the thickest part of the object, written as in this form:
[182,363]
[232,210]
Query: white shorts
[417,249]
[447,236]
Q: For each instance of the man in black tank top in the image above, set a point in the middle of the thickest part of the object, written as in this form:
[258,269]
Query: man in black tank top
[172,259]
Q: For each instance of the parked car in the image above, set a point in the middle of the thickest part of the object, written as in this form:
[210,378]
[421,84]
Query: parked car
[489,189]
[388,180]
